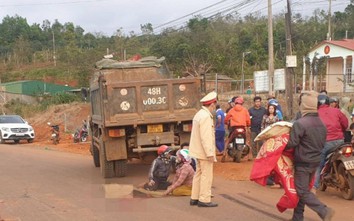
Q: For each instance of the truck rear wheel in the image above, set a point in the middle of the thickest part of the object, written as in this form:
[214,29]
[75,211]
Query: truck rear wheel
[107,167]
[95,155]
[120,167]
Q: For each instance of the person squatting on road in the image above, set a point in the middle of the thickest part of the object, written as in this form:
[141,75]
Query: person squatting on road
[307,137]
[220,129]
[202,147]
[160,170]
[183,179]
[336,123]
[256,113]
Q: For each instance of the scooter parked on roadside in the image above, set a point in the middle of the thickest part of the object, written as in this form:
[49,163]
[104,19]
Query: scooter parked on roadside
[54,133]
[236,146]
[338,171]
[81,134]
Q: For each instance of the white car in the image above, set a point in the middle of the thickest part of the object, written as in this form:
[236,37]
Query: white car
[14,127]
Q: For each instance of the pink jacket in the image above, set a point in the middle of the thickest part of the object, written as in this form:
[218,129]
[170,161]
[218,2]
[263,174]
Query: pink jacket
[336,122]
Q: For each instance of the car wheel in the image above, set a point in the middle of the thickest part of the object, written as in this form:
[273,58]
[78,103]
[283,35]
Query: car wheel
[30,140]
[2,141]
[17,141]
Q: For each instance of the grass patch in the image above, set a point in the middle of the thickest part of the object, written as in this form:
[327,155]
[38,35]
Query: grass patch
[29,110]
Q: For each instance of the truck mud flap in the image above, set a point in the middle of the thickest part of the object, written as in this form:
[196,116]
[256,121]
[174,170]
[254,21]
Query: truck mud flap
[116,149]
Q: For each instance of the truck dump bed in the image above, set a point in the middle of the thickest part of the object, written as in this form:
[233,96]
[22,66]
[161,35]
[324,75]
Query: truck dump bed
[139,94]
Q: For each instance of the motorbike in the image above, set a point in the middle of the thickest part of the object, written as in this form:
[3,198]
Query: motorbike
[338,171]
[236,146]
[54,133]
[81,134]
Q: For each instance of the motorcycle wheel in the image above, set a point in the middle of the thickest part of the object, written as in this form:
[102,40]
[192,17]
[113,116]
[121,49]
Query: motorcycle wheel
[346,183]
[245,151]
[238,156]
[83,139]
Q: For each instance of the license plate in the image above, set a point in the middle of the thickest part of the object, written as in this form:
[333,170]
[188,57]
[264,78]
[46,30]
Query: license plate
[349,165]
[20,135]
[240,141]
[156,128]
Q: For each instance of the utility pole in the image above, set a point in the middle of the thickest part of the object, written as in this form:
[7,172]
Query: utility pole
[54,56]
[270,49]
[243,71]
[289,70]
[329,21]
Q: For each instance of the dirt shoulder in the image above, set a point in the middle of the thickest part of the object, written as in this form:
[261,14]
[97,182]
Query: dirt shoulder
[70,116]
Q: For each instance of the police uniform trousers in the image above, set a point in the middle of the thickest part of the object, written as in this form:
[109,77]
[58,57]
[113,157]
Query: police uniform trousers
[202,181]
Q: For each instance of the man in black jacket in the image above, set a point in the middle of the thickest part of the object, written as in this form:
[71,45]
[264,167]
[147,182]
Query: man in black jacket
[256,113]
[160,170]
[308,136]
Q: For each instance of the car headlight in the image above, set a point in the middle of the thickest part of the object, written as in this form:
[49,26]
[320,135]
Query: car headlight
[5,129]
[30,129]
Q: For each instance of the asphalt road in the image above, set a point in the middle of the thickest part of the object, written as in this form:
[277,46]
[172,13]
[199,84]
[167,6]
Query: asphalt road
[42,184]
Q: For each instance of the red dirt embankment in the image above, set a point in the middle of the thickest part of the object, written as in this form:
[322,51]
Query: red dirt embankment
[68,117]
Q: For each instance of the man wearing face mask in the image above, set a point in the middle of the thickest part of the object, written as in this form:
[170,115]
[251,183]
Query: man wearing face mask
[182,182]
[307,137]
[202,147]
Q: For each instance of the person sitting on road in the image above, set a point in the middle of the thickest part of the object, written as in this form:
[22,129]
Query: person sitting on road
[160,170]
[182,182]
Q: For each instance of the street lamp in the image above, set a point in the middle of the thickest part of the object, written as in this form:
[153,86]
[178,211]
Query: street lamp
[242,72]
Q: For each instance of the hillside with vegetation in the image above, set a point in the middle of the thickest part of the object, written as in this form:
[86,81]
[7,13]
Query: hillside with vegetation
[66,54]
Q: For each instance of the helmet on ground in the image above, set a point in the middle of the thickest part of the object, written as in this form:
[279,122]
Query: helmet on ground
[273,102]
[184,153]
[163,149]
[239,100]
[323,99]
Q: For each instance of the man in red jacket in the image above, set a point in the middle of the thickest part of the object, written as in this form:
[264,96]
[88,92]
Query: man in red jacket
[336,123]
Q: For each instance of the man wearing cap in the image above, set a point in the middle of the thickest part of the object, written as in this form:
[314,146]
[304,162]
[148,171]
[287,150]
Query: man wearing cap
[307,137]
[202,147]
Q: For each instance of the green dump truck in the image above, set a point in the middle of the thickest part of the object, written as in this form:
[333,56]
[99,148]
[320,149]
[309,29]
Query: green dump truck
[136,107]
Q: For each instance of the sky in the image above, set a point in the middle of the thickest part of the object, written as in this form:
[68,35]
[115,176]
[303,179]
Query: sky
[108,16]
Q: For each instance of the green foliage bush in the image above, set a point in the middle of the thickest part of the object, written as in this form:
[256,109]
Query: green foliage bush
[25,110]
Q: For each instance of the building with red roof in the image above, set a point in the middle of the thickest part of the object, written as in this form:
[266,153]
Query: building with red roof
[340,65]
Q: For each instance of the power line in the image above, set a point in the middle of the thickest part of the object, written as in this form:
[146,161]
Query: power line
[177,19]
[50,3]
